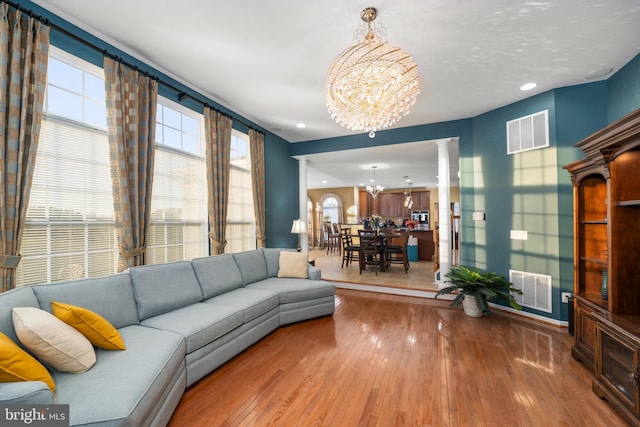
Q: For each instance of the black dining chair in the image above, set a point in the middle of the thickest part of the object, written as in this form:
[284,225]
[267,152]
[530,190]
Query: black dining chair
[398,254]
[350,251]
[370,251]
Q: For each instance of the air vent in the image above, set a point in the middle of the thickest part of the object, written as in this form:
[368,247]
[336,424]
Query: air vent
[528,133]
[536,289]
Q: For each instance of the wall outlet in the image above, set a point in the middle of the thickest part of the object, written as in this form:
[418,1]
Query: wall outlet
[565,297]
[518,235]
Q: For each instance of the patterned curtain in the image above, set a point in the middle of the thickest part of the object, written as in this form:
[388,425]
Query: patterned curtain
[256,143]
[24,55]
[131,100]
[218,158]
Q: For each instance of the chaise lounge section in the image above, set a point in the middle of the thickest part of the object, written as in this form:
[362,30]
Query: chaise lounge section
[179,321]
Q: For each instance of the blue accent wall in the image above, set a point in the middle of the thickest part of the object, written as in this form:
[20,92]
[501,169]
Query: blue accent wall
[624,90]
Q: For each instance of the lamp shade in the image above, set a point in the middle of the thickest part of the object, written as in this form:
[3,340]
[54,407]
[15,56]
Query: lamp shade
[298,226]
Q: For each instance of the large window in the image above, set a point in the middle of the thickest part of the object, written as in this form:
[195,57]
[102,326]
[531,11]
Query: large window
[241,224]
[70,225]
[70,230]
[179,199]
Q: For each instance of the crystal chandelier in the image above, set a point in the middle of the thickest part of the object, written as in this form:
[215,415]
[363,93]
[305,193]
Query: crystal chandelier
[374,189]
[371,85]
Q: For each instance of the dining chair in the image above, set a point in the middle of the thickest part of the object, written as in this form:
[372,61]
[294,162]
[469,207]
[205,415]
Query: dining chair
[332,238]
[370,251]
[350,251]
[398,254]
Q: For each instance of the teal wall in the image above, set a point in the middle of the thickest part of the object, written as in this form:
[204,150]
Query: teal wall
[280,169]
[624,90]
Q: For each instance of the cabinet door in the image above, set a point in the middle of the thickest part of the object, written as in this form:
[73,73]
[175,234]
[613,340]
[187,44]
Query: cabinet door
[364,199]
[617,368]
[585,330]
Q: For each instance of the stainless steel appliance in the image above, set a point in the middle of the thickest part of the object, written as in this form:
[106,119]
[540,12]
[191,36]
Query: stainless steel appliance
[422,217]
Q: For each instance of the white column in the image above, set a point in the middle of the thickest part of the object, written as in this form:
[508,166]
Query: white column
[444,216]
[302,196]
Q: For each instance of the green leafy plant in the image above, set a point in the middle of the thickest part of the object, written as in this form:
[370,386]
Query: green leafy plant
[482,286]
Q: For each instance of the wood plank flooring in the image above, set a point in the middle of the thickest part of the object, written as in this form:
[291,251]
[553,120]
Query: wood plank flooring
[389,360]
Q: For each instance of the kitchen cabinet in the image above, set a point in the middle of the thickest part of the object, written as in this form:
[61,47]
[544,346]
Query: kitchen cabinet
[421,200]
[368,205]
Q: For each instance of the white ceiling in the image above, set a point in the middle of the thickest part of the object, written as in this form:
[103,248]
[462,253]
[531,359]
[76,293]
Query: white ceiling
[267,61]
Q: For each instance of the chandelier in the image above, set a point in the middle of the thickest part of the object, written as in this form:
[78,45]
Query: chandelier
[371,85]
[374,189]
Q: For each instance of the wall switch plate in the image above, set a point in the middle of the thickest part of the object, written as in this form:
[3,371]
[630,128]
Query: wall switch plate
[565,297]
[478,216]
[518,235]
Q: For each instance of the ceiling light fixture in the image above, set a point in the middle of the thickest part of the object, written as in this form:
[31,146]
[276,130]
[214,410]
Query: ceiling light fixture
[374,189]
[371,85]
[528,86]
[408,200]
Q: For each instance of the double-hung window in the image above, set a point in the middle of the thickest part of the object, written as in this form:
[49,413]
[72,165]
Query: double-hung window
[178,226]
[241,223]
[70,227]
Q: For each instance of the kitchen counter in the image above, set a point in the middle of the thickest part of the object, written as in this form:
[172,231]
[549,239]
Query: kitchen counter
[425,244]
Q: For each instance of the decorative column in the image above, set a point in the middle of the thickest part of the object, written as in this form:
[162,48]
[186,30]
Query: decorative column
[302,197]
[444,215]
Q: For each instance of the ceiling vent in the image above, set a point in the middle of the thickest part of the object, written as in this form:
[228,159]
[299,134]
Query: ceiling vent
[528,133]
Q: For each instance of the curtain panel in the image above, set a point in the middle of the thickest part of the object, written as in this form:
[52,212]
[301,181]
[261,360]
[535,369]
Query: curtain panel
[131,101]
[256,143]
[218,160]
[24,56]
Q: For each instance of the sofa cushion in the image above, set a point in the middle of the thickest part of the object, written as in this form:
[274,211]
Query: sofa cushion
[252,266]
[293,264]
[160,288]
[94,327]
[292,290]
[272,259]
[111,297]
[53,341]
[123,387]
[252,302]
[217,274]
[20,297]
[198,323]
[18,365]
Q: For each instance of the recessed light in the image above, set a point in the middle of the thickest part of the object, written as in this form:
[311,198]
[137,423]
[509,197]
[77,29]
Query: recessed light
[324,181]
[528,86]
[301,126]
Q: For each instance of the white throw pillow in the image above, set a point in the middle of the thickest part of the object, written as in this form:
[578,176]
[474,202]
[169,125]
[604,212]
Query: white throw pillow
[293,264]
[54,342]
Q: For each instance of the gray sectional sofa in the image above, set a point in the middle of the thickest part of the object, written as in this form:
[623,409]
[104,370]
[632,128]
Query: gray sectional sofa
[180,321]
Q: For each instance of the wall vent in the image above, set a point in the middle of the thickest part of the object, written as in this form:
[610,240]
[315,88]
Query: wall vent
[536,289]
[528,132]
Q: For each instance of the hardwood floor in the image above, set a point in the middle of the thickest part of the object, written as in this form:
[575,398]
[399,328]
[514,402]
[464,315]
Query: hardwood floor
[389,360]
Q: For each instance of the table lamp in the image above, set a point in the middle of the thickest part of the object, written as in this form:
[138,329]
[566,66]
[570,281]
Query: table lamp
[299,227]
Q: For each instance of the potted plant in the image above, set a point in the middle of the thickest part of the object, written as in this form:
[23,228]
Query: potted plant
[474,289]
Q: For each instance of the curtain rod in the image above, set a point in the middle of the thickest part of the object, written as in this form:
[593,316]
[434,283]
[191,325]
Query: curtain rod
[181,93]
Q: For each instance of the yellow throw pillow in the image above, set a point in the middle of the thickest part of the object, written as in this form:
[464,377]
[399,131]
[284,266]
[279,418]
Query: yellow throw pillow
[52,341]
[96,328]
[293,264]
[18,365]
